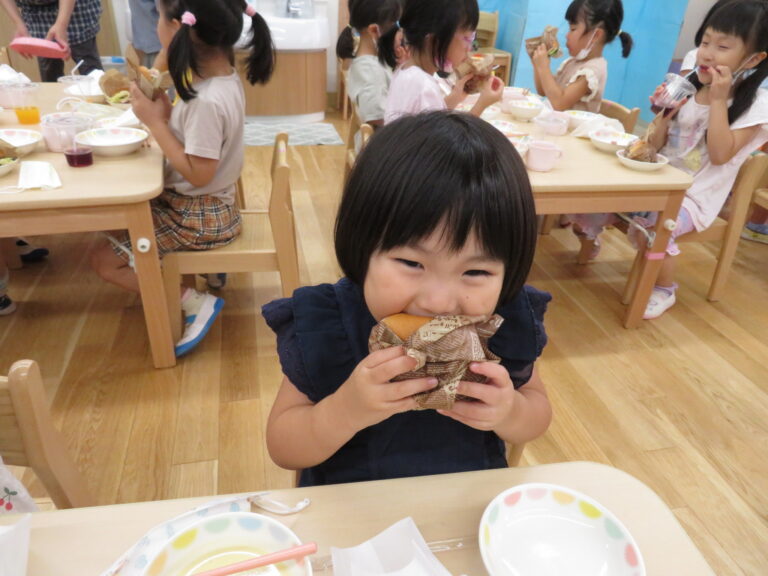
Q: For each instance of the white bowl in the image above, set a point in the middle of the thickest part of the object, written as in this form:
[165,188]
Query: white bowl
[578,117]
[611,140]
[554,123]
[24,141]
[524,109]
[112,141]
[224,539]
[7,168]
[551,530]
[661,161]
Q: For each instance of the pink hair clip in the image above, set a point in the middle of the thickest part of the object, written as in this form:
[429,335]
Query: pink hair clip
[250,10]
[188,18]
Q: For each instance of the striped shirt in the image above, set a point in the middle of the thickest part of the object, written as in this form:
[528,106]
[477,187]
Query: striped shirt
[40,15]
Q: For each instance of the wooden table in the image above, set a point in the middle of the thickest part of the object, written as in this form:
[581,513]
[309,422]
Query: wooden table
[88,540]
[112,194]
[587,180]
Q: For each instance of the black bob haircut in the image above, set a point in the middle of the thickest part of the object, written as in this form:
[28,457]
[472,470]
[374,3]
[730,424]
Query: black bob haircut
[437,20]
[423,171]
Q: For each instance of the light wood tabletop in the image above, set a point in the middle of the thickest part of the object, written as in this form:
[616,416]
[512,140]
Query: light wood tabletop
[587,180]
[112,194]
[88,540]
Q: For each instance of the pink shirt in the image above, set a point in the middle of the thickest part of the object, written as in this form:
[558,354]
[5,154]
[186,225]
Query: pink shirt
[412,91]
[594,71]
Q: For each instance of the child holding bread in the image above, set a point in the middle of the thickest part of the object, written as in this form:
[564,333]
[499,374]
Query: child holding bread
[202,139]
[436,221]
[439,35]
[580,81]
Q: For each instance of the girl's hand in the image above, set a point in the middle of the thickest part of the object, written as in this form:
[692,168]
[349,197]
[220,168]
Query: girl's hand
[495,398]
[540,58]
[457,94]
[150,112]
[491,93]
[722,79]
[368,396]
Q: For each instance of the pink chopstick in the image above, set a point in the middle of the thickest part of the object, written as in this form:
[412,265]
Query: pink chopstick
[292,553]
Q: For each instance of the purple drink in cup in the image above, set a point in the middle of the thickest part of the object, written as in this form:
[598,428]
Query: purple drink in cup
[675,89]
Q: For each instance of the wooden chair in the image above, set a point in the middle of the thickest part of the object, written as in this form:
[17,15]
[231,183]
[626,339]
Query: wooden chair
[27,437]
[342,98]
[753,174]
[514,453]
[487,34]
[366,131]
[627,117]
[249,252]
[5,56]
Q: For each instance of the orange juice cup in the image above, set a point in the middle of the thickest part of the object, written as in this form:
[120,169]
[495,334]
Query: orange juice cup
[28,115]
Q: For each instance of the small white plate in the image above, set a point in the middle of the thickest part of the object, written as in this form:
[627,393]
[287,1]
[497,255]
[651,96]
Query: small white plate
[225,539]
[611,140]
[661,161]
[7,168]
[112,141]
[523,109]
[551,530]
[24,141]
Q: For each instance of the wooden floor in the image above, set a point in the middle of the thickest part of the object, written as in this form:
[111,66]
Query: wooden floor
[681,403]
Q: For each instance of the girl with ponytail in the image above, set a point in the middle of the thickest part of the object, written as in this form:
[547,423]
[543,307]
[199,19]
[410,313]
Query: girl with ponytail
[580,81]
[202,140]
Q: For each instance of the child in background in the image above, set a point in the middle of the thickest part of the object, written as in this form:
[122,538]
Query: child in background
[580,81]
[439,34]
[437,218]
[712,134]
[202,139]
[368,79]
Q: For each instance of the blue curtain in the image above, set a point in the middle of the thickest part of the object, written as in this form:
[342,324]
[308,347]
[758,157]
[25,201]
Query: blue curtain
[653,24]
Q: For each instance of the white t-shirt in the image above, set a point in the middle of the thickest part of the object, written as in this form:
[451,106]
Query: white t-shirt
[412,91]
[211,126]
[686,149]
[367,85]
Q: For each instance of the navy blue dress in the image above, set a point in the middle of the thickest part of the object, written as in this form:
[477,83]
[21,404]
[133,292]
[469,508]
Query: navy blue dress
[322,335]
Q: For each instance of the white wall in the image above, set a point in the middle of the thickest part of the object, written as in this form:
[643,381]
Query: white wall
[694,15]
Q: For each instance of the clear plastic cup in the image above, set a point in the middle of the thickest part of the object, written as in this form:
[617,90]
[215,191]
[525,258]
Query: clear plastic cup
[676,88]
[18,94]
[75,85]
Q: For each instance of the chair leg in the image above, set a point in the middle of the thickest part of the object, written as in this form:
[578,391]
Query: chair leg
[10,253]
[724,261]
[172,283]
[633,277]
[514,453]
[547,223]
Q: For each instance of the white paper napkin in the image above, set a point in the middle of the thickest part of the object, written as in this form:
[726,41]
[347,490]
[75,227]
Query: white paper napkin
[33,174]
[400,550]
[599,122]
[14,547]
[8,74]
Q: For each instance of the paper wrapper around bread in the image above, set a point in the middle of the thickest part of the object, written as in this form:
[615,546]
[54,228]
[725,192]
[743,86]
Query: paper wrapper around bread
[481,66]
[444,347]
[150,87]
[549,39]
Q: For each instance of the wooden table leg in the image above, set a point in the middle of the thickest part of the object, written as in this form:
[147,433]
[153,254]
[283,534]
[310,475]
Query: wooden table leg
[10,252]
[151,286]
[649,268]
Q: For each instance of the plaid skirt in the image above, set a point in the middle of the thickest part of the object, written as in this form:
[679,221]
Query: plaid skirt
[188,223]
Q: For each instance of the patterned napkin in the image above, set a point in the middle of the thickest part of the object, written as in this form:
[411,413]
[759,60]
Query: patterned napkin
[443,348]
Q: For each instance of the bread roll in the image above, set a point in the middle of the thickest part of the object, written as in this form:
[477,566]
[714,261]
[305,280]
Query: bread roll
[480,65]
[405,324]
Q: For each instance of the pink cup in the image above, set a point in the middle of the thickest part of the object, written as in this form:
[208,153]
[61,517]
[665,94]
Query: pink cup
[542,155]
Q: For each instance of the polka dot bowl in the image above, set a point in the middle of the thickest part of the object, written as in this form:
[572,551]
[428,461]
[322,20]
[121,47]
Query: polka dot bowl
[225,539]
[551,530]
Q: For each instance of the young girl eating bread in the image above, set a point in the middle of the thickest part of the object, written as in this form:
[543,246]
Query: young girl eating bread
[437,220]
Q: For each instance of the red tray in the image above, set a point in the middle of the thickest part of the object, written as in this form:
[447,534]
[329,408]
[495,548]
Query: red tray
[38,47]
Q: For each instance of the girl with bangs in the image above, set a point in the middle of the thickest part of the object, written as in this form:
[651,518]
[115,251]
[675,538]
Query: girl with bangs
[437,218]
[712,134]
[438,34]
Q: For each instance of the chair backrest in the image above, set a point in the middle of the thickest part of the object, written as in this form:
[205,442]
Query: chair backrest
[761,198]
[27,437]
[281,216]
[487,29]
[627,117]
